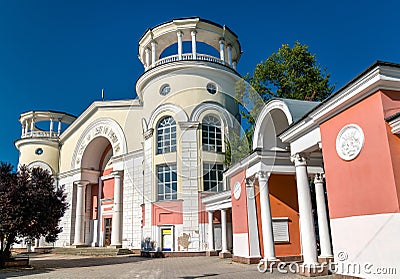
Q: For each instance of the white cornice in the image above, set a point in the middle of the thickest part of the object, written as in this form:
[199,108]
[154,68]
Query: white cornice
[395,125]
[217,197]
[93,108]
[378,78]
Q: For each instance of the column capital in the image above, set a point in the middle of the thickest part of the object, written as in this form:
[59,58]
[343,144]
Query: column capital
[189,125]
[117,173]
[221,40]
[210,211]
[148,134]
[179,33]
[299,159]
[263,175]
[153,43]
[319,178]
[147,50]
[250,181]
[193,32]
[81,182]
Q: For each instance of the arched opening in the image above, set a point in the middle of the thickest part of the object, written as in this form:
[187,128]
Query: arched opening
[272,125]
[100,193]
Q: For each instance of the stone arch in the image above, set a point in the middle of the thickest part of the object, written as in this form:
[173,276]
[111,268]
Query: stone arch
[42,165]
[212,108]
[272,120]
[177,113]
[106,128]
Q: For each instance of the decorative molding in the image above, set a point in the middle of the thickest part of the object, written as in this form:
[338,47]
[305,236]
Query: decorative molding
[263,175]
[148,134]
[102,127]
[319,178]
[189,125]
[299,159]
[222,113]
[178,113]
[349,142]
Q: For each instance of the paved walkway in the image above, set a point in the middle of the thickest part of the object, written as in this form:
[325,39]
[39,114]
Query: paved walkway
[68,266]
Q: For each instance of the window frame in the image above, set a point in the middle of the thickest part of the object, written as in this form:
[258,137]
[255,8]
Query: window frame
[208,169]
[166,135]
[170,178]
[212,143]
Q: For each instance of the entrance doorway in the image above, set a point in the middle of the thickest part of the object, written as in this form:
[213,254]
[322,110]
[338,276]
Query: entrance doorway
[107,231]
[167,239]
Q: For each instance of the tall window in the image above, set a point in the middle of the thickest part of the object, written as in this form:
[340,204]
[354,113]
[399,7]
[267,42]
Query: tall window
[167,182]
[211,134]
[166,135]
[212,177]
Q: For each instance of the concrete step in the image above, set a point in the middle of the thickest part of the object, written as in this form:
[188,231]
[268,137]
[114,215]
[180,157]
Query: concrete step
[92,251]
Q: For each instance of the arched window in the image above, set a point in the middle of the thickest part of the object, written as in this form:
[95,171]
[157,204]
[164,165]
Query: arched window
[166,135]
[211,134]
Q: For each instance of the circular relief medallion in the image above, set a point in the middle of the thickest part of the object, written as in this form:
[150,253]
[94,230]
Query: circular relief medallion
[237,190]
[349,142]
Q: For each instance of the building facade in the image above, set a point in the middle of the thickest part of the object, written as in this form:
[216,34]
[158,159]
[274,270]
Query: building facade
[137,169]
[152,169]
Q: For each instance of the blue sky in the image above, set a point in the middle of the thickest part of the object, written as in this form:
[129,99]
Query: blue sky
[58,55]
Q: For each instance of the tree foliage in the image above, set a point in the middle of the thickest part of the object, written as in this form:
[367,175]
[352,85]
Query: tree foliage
[291,72]
[30,206]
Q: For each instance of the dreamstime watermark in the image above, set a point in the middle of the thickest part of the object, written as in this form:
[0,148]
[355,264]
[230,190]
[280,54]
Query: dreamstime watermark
[341,267]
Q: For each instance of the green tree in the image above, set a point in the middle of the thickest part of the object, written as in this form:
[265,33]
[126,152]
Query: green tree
[30,206]
[291,72]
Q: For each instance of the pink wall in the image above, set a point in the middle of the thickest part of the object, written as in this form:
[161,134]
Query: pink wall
[366,184]
[167,213]
[239,207]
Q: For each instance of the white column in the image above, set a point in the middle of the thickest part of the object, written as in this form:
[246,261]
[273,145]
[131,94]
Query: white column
[26,127]
[266,217]
[323,227]
[307,231]
[194,48]
[116,233]
[99,219]
[51,127]
[229,55]
[80,213]
[210,231]
[23,129]
[153,53]
[224,231]
[147,52]
[179,34]
[234,65]
[222,50]
[32,125]
[59,127]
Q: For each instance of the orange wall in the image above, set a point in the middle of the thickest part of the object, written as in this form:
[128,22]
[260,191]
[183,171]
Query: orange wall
[239,207]
[283,201]
[391,105]
[93,199]
[108,188]
[366,184]
[167,213]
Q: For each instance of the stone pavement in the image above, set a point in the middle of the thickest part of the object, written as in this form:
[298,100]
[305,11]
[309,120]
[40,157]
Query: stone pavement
[71,266]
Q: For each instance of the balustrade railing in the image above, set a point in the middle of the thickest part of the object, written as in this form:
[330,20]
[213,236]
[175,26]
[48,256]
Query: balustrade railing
[40,134]
[189,56]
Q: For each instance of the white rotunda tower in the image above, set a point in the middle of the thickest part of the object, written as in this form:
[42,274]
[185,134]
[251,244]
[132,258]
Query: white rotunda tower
[187,92]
